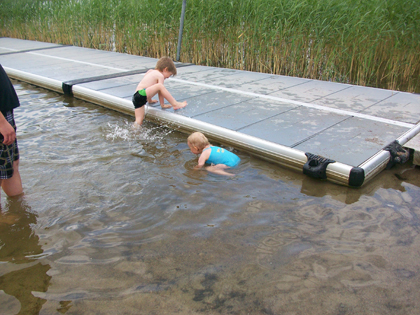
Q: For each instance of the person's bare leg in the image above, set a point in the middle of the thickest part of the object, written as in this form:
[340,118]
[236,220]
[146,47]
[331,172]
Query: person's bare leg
[219,169]
[159,87]
[13,186]
[139,113]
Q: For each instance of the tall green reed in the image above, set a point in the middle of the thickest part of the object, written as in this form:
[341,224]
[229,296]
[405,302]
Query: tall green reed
[374,43]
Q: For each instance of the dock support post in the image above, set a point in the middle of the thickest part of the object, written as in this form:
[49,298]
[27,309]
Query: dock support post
[181,27]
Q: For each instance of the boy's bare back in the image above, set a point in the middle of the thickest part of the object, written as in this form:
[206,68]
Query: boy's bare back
[150,78]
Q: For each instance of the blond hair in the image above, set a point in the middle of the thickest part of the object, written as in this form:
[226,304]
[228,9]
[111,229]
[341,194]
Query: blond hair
[198,140]
[166,62]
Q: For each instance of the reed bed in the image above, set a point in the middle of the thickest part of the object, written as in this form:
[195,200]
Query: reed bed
[371,43]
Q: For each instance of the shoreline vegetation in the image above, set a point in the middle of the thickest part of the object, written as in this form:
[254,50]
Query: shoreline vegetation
[369,43]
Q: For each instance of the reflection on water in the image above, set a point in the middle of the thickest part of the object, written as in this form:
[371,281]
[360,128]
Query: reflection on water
[116,221]
[19,246]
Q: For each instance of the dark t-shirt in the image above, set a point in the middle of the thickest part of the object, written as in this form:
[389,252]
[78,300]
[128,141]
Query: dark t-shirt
[8,97]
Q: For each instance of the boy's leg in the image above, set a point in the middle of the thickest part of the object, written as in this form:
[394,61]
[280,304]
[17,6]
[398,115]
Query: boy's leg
[139,113]
[13,186]
[159,87]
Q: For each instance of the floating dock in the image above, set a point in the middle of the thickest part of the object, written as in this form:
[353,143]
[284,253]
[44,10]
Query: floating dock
[340,132]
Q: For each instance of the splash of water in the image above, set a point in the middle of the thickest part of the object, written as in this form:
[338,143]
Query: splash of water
[127,131]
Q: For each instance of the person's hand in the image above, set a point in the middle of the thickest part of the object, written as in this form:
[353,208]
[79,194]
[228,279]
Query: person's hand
[8,132]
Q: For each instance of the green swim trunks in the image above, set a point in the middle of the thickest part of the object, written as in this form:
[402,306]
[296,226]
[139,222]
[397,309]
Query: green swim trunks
[139,98]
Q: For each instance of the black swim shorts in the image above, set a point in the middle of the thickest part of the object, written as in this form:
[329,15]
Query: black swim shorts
[139,98]
[8,153]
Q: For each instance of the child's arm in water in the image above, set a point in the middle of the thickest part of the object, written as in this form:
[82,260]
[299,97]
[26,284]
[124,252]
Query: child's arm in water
[202,159]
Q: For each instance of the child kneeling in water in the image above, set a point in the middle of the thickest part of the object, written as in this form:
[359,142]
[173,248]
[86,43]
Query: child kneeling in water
[219,158]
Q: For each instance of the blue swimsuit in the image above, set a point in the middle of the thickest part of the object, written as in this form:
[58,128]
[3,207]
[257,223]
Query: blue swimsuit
[222,156]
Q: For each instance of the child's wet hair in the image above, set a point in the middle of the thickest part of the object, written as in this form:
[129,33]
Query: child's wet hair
[166,62]
[198,140]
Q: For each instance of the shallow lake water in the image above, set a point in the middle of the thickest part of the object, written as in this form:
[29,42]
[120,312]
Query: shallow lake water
[116,221]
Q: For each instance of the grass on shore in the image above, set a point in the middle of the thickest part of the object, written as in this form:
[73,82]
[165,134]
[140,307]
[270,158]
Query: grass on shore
[371,43]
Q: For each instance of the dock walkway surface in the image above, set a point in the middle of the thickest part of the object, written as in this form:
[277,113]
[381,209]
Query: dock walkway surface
[340,132]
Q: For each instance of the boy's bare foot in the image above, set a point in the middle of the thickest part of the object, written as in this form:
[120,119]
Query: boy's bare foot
[180,105]
[152,101]
[166,106]
[136,126]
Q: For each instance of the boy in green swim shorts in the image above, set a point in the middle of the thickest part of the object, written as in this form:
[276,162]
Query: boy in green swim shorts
[152,84]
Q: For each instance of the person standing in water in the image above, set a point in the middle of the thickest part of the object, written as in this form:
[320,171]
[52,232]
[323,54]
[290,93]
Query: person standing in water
[152,84]
[10,180]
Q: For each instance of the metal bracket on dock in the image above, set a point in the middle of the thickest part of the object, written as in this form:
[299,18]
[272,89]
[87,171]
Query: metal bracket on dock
[356,177]
[316,166]
[67,88]
[398,154]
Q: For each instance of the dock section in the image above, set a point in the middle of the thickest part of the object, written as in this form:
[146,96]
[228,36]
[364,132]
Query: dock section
[340,132]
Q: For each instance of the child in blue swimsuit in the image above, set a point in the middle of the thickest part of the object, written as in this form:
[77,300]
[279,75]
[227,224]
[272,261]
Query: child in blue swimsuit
[218,158]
